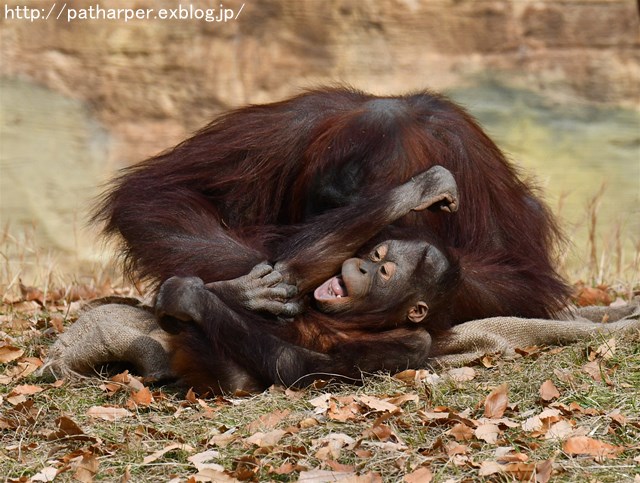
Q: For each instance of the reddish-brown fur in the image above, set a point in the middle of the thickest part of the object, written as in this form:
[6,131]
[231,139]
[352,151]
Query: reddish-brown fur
[235,349]
[211,206]
[223,346]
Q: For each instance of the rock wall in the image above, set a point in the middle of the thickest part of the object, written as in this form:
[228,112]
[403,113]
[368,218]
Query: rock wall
[82,97]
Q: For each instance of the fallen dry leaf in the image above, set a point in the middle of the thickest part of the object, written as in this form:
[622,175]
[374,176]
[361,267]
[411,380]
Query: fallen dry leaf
[595,370]
[331,446]
[591,295]
[544,469]
[330,451]
[421,475]
[14,400]
[335,466]
[461,432]
[377,404]
[575,407]
[488,361]
[321,403]
[520,471]
[403,399]
[502,423]
[408,376]
[462,374]
[488,433]
[57,322]
[222,440]
[607,350]
[343,408]
[10,353]
[111,387]
[142,397]
[132,382]
[208,474]
[246,468]
[86,468]
[202,461]
[308,423]
[550,414]
[287,468]
[388,446]
[540,423]
[415,377]
[496,402]
[108,413]
[19,393]
[27,308]
[23,414]
[488,468]
[381,432]
[528,351]
[31,294]
[172,447]
[18,324]
[25,367]
[363,453]
[268,421]
[454,449]
[26,389]
[583,445]
[507,454]
[126,476]
[266,440]
[564,375]
[121,378]
[323,476]
[436,418]
[45,474]
[191,396]
[618,418]
[149,431]
[548,390]
[135,383]
[295,394]
[67,428]
[560,430]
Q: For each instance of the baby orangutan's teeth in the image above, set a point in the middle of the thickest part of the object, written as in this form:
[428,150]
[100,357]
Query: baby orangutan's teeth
[339,296]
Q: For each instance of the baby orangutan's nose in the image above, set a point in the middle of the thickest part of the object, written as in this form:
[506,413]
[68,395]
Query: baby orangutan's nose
[354,266]
[362,267]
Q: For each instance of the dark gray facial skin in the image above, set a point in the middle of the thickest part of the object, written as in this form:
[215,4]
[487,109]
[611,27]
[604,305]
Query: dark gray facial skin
[383,279]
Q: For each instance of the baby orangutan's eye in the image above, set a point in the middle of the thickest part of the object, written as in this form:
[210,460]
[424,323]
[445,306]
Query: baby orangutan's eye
[387,270]
[378,253]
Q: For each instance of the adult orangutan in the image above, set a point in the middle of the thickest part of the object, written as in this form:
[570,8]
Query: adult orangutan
[214,205]
[374,315]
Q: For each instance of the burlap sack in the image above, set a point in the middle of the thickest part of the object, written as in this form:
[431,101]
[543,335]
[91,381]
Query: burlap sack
[503,335]
[122,332]
[128,332]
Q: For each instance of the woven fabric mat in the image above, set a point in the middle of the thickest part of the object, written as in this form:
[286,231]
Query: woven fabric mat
[127,331]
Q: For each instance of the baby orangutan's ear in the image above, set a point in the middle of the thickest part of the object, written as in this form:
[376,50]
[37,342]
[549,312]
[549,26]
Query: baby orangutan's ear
[418,312]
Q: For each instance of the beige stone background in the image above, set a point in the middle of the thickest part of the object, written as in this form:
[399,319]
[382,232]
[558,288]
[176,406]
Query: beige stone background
[81,98]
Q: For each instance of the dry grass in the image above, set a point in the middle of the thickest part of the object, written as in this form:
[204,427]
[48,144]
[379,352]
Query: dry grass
[600,253]
[24,262]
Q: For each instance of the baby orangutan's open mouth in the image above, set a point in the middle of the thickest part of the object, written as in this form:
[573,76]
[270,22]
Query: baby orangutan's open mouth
[331,289]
